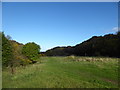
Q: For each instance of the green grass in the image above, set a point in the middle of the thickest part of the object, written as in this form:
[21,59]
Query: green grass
[65,72]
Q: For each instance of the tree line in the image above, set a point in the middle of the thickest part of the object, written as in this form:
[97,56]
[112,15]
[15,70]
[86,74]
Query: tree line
[17,54]
[107,45]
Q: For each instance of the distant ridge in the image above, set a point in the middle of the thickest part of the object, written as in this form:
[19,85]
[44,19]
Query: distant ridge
[107,45]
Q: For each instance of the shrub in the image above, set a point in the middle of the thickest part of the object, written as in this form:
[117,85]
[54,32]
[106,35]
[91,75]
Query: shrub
[31,50]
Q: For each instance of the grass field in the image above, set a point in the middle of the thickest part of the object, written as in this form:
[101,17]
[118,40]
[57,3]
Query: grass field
[65,72]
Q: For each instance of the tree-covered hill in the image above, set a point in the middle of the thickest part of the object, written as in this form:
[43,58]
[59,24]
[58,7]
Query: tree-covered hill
[107,45]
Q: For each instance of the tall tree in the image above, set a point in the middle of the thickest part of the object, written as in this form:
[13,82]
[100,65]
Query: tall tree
[7,55]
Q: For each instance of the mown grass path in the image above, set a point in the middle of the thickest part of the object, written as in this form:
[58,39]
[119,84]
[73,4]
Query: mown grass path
[65,72]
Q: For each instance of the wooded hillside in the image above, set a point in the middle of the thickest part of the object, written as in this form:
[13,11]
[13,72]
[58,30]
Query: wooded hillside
[107,45]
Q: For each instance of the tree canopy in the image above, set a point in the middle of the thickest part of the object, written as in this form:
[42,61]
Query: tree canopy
[7,54]
[31,50]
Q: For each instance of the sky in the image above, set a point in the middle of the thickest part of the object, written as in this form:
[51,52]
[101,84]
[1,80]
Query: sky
[51,24]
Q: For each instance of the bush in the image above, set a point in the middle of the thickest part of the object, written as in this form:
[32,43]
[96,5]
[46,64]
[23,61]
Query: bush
[31,50]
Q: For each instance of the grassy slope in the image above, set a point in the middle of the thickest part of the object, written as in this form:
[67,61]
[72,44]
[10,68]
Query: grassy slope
[65,72]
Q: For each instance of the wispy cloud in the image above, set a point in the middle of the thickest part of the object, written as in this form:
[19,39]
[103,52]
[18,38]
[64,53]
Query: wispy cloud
[116,29]
[112,30]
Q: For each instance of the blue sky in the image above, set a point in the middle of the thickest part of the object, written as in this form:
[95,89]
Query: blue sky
[58,24]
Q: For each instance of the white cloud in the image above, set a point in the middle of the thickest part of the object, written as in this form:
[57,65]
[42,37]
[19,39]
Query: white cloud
[112,30]
[116,29]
